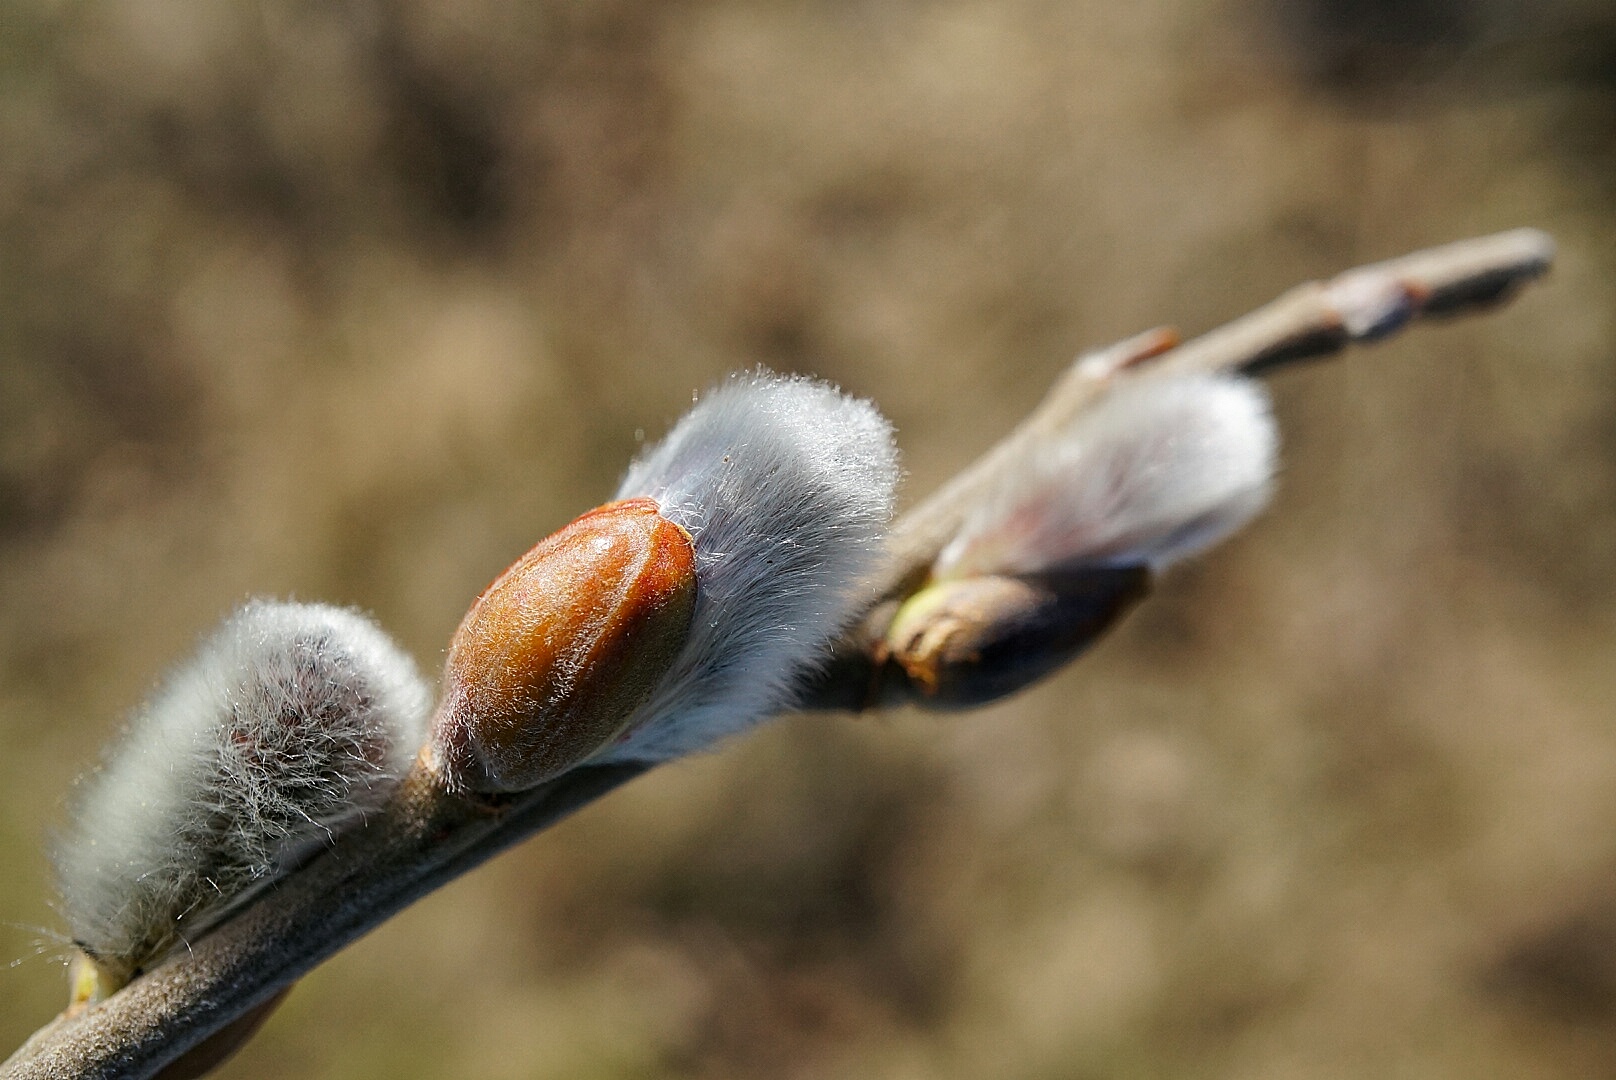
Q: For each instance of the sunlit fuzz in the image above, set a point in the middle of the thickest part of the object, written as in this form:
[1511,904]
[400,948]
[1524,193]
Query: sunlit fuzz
[786,486]
[1158,470]
[291,723]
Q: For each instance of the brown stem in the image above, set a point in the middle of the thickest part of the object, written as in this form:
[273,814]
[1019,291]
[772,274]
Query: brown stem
[425,839]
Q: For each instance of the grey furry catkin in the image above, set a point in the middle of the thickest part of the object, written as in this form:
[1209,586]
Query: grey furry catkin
[292,722]
[1157,471]
[786,486]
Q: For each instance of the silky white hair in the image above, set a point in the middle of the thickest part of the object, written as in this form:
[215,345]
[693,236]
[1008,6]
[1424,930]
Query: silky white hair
[1160,469]
[786,486]
[291,722]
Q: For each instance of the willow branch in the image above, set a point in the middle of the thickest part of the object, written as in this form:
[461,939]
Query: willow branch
[1313,320]
[427,837]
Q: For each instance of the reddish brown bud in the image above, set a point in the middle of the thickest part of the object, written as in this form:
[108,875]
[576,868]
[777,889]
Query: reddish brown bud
[555,656]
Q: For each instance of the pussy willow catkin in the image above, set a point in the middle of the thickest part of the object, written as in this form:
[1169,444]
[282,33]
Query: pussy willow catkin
[685,611]
[786,486]
[1159,470]
[1154,472]
[292,722]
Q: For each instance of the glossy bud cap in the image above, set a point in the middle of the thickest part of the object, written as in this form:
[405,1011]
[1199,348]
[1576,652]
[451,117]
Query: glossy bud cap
[554,657]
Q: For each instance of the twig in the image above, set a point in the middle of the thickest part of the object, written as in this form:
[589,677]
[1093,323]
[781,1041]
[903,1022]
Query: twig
[1310,321]
[427,837]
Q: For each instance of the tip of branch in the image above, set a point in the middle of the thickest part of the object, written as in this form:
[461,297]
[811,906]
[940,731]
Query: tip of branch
[1474,273]
[1537,248]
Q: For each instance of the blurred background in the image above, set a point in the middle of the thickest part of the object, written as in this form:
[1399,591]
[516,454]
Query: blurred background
[355,301]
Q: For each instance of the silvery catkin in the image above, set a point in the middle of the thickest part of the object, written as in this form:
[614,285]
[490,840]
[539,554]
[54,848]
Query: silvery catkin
[292,722]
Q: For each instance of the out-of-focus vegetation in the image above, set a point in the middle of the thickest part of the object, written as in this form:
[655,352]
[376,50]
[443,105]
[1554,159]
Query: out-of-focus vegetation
[355,301]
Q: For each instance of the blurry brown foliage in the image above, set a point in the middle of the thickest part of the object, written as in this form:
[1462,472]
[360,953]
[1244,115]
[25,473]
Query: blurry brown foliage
[354,301]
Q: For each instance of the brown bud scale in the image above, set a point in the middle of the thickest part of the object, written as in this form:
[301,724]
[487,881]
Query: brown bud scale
[963,642]
[554,657]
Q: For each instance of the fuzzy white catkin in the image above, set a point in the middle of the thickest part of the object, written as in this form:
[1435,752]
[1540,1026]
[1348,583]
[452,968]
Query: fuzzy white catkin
[1157,471]
[786,486]
[291,722]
